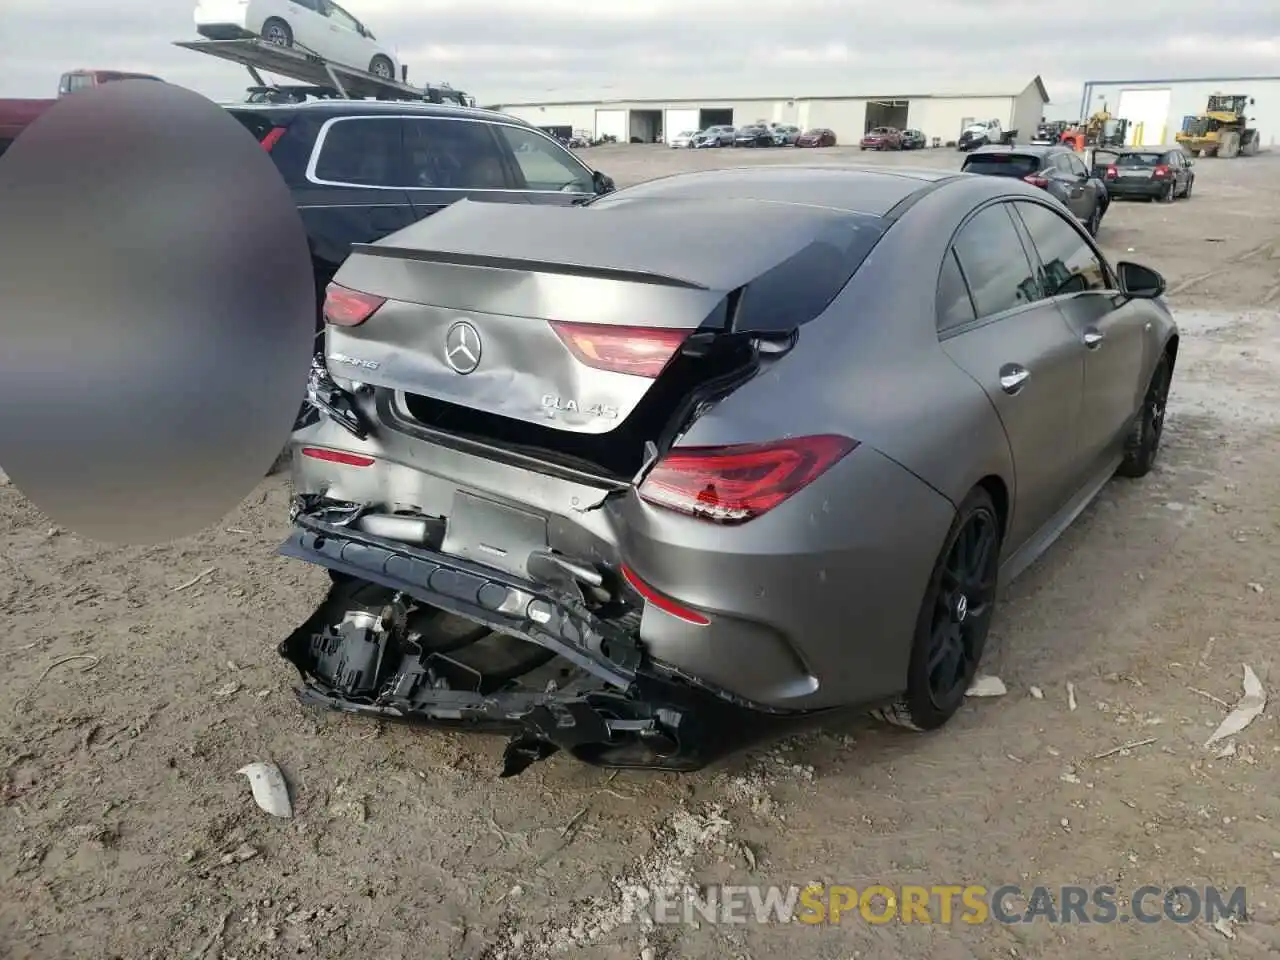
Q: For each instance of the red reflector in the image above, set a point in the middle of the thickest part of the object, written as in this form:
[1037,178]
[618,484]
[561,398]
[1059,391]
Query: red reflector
[665,604]
[1036,181]
[736,483]
[272,138]
[640,351]
[1112,172]
[349,308]
[1162,171]
[338,456]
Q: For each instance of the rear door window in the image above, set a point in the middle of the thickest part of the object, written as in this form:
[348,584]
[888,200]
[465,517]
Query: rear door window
[1001,164]
[454,155]
[361,151]
[995,263]
[1068,263]
[955,308]
[543,163]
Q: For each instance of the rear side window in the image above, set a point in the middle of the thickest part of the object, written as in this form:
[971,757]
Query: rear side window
[544,165]
[453,155]
[995,263]
[364,151]
[1001,165]
[1069,264]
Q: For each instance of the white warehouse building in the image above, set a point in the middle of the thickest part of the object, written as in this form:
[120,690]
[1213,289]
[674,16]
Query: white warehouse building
[1156,109]
[941,114]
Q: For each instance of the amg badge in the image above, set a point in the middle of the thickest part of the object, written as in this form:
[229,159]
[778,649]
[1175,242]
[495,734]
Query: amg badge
[552,405]
[354,361]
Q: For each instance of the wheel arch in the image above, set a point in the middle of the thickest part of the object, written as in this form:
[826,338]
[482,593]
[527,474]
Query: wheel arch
[1171,351]
[998,491]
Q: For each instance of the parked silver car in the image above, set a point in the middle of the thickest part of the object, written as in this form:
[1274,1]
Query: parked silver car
[627,490]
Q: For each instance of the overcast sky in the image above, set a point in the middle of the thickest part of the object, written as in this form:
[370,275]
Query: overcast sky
[540,50]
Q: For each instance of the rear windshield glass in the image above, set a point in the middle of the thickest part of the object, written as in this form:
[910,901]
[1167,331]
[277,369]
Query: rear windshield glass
[1140,160]
[1002,165]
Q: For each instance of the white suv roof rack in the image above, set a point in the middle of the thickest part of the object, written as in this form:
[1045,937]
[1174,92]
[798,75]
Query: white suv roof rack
[297,64]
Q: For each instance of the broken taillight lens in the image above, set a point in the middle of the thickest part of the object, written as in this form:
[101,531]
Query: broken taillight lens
[272,138]
[733,484]
[345,307]
[639,351]
[1112,172]
[338,456]
[1161,171]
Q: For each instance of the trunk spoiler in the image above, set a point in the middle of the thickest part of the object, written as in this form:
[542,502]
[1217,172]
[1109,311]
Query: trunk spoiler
[525,264]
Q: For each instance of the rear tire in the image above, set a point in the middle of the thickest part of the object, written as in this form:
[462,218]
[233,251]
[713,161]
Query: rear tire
[954,619]
[275,31]
[1143,441]
[1186,195]
[381,66]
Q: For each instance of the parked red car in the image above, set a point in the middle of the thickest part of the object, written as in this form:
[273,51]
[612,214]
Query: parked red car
[817,137]
[15,115]
[882,138]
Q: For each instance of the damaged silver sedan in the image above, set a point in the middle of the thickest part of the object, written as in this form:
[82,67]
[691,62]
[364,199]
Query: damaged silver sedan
[647,478]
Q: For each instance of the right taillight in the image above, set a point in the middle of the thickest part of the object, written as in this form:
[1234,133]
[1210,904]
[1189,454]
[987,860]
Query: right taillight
[1036,181]
[345,307]
[640,351]
[734,484]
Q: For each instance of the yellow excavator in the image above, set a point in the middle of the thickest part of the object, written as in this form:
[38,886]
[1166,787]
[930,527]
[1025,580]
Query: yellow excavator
[1222,130]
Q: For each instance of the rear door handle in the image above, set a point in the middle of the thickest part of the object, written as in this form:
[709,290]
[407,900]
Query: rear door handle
[1092,339]
[1012,377]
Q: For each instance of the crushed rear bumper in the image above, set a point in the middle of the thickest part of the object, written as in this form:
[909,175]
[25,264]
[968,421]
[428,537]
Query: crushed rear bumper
[609,705]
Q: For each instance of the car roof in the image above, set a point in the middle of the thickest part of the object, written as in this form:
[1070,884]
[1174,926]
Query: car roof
[373,107]
[874,191]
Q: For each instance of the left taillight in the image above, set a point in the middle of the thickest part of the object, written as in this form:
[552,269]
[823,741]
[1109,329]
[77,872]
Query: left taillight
[345,307]
[272,138]
[734,484]
[640,351]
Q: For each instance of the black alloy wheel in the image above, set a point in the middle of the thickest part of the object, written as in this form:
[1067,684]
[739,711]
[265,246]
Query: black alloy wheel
[954,619]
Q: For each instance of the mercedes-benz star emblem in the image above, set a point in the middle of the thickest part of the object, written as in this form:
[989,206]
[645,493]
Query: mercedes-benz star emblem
[462,348]
[962,608]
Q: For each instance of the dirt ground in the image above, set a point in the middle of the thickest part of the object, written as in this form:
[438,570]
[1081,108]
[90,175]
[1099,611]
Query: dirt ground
[126,832]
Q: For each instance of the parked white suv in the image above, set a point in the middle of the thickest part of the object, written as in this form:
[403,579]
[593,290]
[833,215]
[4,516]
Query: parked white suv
[316,26]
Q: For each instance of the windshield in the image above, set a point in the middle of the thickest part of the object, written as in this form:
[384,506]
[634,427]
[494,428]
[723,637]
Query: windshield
[1001,165]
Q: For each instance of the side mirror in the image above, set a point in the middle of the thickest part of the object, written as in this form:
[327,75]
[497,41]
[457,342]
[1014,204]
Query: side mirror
[1139,282]
[602,183]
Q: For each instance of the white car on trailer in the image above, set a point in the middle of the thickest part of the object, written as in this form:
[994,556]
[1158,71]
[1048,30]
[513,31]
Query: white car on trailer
[320,27]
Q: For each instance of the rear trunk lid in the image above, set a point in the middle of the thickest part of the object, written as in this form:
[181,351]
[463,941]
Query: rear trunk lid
[549,326]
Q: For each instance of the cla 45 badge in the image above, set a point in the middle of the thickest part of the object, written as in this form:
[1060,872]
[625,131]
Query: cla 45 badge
[553,405]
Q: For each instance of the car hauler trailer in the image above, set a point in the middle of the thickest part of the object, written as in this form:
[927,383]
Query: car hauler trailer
[351,83]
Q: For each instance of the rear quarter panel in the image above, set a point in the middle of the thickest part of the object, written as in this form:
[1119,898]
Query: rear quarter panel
[872,368]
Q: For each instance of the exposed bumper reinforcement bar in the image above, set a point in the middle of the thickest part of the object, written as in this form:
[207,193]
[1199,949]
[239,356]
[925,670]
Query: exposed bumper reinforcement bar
[620,711]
